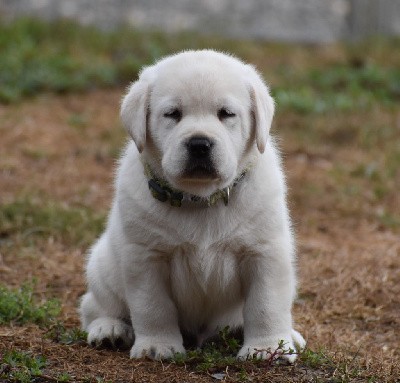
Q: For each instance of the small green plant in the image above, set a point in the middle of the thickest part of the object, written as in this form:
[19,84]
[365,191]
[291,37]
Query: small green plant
[20,306]
[230,343]
[315,359]
[21,367]
[214,356]
[64,377]
[60,334]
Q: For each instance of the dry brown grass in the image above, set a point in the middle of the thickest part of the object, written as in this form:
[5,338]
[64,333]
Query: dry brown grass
[63,149]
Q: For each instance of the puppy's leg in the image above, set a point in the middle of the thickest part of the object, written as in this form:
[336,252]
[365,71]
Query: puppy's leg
[103,329]
[103,314]
[153,313]
[269,282]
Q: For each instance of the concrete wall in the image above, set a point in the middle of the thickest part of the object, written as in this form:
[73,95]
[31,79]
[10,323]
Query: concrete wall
[288,20]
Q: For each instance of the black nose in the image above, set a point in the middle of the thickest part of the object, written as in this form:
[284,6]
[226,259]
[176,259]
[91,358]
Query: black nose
[199,147]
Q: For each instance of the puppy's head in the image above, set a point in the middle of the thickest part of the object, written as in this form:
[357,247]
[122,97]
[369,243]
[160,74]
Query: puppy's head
[198,117]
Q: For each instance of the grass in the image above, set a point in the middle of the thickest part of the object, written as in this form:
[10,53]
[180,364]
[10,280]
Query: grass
[60,334]
[21,367]
[215,361]
[30,219]
[65,57]
[316,359]
[35,59]
[25,367]
[340,87]
[20,306]
[218,356]
[218,360]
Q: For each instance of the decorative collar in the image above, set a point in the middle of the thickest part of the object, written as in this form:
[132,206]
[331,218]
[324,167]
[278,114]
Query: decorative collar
[162,191]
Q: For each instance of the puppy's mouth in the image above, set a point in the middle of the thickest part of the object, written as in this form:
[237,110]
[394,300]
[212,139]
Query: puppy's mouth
[201,171]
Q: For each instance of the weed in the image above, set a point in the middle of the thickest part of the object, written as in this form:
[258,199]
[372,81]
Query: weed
[64,377]
[315,359]
[230,343]
[216,354]
[60,334]
[20,306]
[22,367]
[219,355]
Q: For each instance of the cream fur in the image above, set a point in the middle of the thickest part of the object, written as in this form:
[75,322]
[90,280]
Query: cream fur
[158,270]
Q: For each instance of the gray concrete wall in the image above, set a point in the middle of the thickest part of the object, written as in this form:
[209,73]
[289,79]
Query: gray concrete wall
[287,20]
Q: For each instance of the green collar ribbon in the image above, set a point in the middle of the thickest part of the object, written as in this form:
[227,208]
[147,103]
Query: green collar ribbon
[162,191]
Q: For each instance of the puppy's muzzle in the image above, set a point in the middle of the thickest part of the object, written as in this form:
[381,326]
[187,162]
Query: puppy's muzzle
[199,160]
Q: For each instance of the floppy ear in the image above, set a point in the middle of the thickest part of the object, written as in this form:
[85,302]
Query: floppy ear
[262,108]
[134,111]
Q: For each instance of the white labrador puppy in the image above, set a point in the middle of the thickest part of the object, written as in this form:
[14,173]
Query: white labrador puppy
[199,236]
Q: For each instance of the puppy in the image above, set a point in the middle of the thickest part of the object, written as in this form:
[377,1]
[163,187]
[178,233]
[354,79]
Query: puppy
[199,235]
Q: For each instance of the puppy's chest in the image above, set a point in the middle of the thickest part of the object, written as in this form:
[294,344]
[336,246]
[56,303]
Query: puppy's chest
[204,272]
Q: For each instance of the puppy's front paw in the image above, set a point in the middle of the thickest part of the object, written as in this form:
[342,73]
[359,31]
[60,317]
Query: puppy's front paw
[298,340]
[280,347]
[110,333]
[155,348]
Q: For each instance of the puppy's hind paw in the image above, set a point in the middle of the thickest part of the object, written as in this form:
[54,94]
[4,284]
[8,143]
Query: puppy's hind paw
[110,333]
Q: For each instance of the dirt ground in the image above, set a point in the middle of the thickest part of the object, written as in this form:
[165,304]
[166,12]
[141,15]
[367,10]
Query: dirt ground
[63,149]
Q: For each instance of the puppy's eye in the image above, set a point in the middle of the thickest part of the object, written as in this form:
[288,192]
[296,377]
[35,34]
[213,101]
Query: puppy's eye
[225,113]
[174,114]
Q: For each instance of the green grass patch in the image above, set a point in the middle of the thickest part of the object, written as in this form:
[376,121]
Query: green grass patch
[56,57]
[316,359]
[30,219]
[60,334]
[339,87]
[66,57]
[218,355]
[25,367]
[21,367]
[20,306]
[218,359]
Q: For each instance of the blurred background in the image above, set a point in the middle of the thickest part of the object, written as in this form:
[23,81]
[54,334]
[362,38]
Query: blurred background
[334,70]
[289,20]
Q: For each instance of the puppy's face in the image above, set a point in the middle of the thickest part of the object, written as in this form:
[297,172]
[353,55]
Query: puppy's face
[200,119]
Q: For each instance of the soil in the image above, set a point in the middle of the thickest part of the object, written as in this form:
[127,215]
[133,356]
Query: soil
[63,149]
